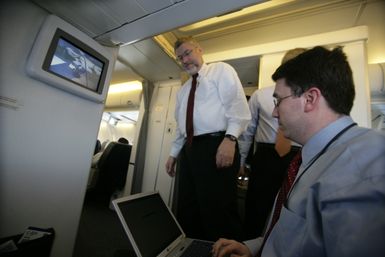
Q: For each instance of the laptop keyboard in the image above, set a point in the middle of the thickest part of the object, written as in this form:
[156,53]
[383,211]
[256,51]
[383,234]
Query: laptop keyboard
[198,249]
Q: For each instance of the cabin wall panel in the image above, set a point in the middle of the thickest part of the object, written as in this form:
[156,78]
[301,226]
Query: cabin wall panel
[46,142]
[164,183]
[157,120]
[161,132]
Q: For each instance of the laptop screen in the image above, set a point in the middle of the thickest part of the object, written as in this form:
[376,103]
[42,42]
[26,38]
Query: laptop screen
[150,223]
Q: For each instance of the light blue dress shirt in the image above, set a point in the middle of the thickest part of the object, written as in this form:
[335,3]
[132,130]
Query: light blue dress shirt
[337,205]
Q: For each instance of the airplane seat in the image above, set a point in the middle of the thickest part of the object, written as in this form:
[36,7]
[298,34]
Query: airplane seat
[113,166]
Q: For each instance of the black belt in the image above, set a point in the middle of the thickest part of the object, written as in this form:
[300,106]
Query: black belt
[265,145]
[213,134]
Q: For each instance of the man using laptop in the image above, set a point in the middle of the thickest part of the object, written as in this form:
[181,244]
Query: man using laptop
[336,205]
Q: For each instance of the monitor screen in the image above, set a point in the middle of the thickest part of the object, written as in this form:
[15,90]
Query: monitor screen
[64,57]
[71,60]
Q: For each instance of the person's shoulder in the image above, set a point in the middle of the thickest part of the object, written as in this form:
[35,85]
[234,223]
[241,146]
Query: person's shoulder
[218,69]
[263,92]
[370,140]
[219,65]
[373,135]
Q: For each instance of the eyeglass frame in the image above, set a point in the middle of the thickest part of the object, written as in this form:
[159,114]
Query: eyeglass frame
[277,100]
[186,53]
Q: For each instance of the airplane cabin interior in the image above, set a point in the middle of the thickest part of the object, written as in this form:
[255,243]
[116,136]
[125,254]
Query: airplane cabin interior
[48,133]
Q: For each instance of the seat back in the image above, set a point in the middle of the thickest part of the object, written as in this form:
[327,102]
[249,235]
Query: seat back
[113,166]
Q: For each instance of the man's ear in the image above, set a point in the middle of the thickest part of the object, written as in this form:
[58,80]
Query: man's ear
[312,98]
[200,49]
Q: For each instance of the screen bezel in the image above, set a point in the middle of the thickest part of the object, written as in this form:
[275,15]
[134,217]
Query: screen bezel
[44,47]
[60,34]
[172,245]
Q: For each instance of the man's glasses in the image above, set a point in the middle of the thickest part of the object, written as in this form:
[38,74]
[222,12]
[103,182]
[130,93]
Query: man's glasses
[186,53]
[277,101]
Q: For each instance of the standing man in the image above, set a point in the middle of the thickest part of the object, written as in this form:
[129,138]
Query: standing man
[206,145]
[268,164]
[336,205]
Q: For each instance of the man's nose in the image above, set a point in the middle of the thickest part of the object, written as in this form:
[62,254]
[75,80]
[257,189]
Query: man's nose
[275,112]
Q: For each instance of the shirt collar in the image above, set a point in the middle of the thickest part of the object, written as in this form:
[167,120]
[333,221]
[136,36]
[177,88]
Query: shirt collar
[203,70]
[318,141]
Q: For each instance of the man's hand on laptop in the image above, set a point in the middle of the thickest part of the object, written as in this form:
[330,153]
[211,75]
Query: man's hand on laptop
[225,247]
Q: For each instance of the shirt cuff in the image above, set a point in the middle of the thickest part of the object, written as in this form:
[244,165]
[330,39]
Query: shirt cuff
[254,245]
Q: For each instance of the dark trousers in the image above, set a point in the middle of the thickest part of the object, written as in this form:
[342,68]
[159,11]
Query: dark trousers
[268,170]
[207,196]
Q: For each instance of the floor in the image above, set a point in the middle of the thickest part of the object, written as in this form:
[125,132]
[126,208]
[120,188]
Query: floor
[100,233]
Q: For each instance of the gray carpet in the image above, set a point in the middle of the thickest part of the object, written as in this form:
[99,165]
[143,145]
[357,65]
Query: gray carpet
[100,233]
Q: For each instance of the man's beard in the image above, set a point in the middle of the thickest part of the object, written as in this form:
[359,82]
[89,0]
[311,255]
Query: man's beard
[191,69]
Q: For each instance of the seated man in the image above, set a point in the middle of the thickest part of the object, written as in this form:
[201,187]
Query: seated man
[336,205]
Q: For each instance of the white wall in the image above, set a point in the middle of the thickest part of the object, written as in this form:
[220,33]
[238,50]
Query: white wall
[113,133]
[353,42]
[46,141]
[160,134]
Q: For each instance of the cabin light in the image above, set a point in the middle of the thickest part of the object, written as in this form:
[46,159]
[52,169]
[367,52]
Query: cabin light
[106,116]
[125,87]
[129,125]
[112,121]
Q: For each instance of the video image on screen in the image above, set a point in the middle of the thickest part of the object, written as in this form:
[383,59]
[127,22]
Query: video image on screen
[76,65]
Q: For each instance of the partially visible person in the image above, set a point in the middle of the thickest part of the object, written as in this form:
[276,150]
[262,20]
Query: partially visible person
[268,166]
[123,140]
[96,157]
[208,159]
[336,205]
[104,144]
[92,178]
[95,160]
[98,146]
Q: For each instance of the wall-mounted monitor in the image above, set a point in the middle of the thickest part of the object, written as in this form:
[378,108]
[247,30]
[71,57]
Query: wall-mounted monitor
[67,58]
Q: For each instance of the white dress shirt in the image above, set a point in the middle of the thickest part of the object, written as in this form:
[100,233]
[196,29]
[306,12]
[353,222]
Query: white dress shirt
[220,104]
[263,126]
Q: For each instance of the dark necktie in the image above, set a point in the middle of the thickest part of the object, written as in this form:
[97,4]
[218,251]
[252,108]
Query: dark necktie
[292,171]
[190,110]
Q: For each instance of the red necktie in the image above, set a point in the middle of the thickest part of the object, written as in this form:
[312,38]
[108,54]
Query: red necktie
[292,171]
[190,110]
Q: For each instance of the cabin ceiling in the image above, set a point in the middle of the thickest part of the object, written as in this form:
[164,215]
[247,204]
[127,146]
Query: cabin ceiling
[145,55]
[115,23]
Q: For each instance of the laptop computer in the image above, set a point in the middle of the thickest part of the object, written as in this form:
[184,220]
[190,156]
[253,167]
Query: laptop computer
[153,230]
